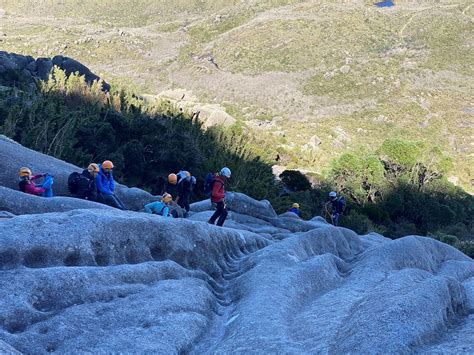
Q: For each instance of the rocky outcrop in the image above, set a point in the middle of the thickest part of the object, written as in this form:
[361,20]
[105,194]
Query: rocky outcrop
[41,67]
[17,203]
[106,281]
[89,278]
[13,156]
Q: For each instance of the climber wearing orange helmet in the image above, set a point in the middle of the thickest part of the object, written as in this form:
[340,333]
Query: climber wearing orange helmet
[171,187]
[106,186]
[185,188]
[27,185]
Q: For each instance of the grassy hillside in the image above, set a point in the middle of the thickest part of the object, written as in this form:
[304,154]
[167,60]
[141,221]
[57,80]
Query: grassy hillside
[314,79]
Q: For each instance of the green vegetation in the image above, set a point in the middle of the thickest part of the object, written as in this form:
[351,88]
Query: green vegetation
[66,118]
[397,189]
[404,72]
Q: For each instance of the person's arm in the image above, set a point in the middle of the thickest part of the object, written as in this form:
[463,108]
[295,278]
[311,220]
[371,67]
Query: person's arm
[148,207]
[101,186]
[31,189]
[166,212]
[37,177]
[112,183]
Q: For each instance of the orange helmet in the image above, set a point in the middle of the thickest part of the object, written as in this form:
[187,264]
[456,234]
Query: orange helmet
[24,172]
[172,179]
[107,165]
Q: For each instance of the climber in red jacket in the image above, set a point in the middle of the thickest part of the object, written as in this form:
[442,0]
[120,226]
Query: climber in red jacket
[218,197]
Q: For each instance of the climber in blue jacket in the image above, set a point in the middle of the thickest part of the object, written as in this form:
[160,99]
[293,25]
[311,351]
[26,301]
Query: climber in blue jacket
[160,207]
[106,186]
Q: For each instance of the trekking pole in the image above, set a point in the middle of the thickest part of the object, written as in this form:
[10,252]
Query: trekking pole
[327,212]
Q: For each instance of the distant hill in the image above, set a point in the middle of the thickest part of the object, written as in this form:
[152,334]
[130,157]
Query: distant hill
[314,79]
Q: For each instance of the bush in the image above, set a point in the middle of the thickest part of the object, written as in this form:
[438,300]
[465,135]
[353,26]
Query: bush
[356,221]
[295,181]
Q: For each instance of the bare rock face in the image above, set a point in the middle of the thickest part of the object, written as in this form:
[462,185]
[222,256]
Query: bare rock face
[240,203]
[87,278]
[18,203]
[41,67]
[13,156]
[112,281]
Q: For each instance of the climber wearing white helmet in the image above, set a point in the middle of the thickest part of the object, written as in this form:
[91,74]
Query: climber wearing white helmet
[338,205]
[218,196]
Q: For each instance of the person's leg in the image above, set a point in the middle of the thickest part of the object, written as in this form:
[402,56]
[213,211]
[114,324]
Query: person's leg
[184,204]
[47,185]
[119,203]
[335,218]
[219,209]
[111,201]
[223,216]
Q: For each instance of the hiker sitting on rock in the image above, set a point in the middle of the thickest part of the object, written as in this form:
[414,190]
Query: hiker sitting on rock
[83,185]
[185,187]
[161,208]
[295,208]
[106,186]
[338,205]
[218,197]
[28,186]
[171,187]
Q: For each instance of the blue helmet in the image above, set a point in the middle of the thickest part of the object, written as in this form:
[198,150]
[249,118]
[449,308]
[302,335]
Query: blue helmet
[332,194]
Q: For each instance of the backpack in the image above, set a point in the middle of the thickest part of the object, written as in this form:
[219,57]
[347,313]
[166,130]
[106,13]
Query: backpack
[72,182]
[342,200]
[22,185]
[208,184]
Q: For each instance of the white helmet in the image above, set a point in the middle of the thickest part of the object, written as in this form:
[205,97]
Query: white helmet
[226,172]
[332,194]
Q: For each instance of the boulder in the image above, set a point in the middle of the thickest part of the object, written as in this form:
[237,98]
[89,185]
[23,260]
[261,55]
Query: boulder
[113,281]
[242,204]
[19,203]
[13,156]
[43,67]
[71,66]
[6,214]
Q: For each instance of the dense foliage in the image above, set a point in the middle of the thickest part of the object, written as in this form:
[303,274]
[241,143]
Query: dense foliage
[397,189]
[66,118]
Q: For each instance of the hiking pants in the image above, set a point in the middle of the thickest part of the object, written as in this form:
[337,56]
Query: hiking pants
[47,185]
[335,218]
[112,201]
[176,211]
[221,212]
[184,203]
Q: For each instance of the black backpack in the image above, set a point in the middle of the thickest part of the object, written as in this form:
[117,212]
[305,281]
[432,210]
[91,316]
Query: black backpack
[72,182]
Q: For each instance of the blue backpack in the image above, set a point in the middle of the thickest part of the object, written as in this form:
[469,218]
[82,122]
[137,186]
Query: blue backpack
[208,184]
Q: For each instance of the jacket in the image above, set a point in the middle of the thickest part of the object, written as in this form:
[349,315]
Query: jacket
[295,210]
[158,207]
[105,182]
[185,188]
[86,186]
[218,189]
[173,190]
[30,188]
[338,205]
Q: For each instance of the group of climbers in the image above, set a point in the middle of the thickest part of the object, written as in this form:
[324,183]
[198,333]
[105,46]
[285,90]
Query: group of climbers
[96,183]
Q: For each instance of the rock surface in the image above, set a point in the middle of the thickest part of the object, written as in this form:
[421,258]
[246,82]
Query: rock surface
[13,156]
[113,281]
[41,67]
[87,278]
